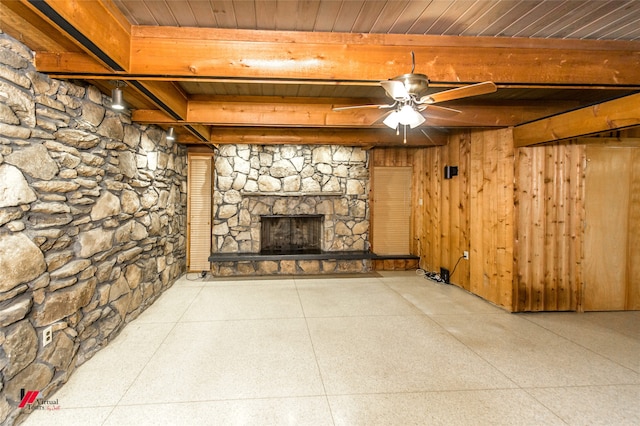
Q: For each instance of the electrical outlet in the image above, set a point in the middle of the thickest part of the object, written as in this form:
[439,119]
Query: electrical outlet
[465,254]
[47,336]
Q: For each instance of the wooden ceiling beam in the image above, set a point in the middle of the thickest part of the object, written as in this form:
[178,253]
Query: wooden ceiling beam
[198,52]
[165,95]
[205,53]
[22,23]
[615,114]
[354,137]
[97,27]
[200,132]
[286,112]
[71,63]
[318,115]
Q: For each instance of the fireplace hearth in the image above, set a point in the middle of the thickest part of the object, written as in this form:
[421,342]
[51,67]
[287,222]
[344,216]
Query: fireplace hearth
[291,234]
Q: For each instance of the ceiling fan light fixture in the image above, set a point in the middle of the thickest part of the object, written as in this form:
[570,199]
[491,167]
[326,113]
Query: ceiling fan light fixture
[392,120]
[408,116]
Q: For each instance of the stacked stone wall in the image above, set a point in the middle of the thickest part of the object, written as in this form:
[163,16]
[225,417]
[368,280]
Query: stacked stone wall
[256,180]
[92,224]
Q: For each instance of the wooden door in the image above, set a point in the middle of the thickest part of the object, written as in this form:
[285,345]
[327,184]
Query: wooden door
[391,214]
[612,229]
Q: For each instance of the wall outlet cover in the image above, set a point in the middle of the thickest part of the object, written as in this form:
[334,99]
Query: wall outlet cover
[47,336]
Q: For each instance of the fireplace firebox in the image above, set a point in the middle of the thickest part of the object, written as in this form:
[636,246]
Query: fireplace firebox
[291,234]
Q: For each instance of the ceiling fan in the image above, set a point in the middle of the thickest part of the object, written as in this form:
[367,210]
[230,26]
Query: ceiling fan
[410,101]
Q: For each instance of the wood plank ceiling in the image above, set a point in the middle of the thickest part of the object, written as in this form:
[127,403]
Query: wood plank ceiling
[271,71]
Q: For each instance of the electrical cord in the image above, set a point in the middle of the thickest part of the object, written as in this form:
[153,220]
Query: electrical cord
[454,268]
[433,276]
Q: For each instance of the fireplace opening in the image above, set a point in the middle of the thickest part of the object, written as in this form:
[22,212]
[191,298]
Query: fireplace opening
[291,234]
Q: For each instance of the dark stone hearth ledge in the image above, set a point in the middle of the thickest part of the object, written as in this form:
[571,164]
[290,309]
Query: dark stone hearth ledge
[328,255]
[292,194]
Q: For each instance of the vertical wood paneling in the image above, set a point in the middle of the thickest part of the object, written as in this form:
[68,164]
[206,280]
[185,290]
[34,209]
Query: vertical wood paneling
[506,217]
[609,227]
[492,216]
[444,221]
[452,224]
[522,248]
[550,200]
[633,249]
[575,233]
[536,228]
[442,233]
[520,213]
[418,216]
[463,271]
[549,227]
[435,206]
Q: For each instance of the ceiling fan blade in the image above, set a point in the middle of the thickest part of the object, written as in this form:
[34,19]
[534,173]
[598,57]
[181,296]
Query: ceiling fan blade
[459,92]
[435,110]
[395,89]
[360,106]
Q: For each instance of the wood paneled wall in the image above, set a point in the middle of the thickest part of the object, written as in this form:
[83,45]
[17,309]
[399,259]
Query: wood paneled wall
[519,212]
[612,231]
[633,244]
[470,212]
[491,221]
[445,231]
[549,227]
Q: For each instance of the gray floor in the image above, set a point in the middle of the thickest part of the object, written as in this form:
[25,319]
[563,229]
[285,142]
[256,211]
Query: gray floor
[388,349]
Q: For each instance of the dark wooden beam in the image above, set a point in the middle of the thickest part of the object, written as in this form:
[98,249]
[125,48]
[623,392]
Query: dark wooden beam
[615,114]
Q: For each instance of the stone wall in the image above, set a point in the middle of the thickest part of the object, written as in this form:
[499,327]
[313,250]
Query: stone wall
[92,224]
[255,180]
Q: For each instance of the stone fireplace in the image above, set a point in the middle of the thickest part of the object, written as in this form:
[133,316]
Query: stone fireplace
[254,182]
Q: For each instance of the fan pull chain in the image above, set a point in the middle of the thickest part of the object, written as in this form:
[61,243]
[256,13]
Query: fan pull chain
[405,135]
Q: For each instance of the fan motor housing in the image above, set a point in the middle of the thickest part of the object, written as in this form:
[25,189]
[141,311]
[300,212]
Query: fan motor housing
[416,84]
